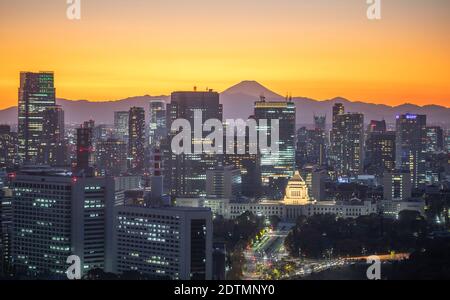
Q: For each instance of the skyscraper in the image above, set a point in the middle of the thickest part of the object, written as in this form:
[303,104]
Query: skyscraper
[347,142]
[170,242]
[111,157]
[52,149]
[435,139]
[380,153]
[377,126]
[55,216]
[157,125]
[36,94]
[8,147]
[136,136]
[188,171]
[85,149]
[281,166]
[121,122]
[310,147]
[224,183]
[411,146]
[249,164]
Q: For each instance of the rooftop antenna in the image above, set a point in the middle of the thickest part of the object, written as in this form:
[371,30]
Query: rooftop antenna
[263,98]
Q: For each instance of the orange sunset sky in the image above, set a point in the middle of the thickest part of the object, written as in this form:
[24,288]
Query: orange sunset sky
[316,48]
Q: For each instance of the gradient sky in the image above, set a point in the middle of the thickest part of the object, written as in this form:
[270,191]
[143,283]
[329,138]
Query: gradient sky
[315,48]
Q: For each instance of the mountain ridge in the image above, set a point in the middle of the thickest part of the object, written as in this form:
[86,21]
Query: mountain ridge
[238,102]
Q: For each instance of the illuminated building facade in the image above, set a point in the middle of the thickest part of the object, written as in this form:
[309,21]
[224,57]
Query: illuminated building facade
[158,120]
[85,149]
[52,149]
[136,137]
[111,157]
[281,165]
[435,139]
[411,146]
[171,242]
[397,186]
[224,182]
[56,215]
[188,171]
[347,142]
[8,147]
[310,147]
[296,191]
[249,166]
[380,153]
[36,94]
[121,122]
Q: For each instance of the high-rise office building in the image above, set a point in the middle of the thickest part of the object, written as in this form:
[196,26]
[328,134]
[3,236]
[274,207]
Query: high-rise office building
[121,122]
[188,171]
[8,147]
[310,147]
[224,183]
[248,163]
[380,152]
[282,164]
[411,146]
[435,139]
[377,126]
[36,94]
[347,142]
[55,216]
[111,157]
[158,120]
[171,242]
[136,137]
[85,149]
[397,186]
[6,200]
[52,149]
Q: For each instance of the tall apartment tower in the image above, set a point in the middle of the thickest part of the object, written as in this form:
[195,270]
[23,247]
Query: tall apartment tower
[136,137]
[188,171]
[36,94]
[347,142]
[411,144]
[55,216]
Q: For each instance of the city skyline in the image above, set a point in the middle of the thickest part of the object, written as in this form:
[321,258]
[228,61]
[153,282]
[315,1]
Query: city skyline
[189,173]
[318,50]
